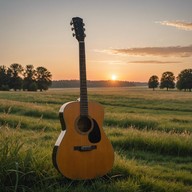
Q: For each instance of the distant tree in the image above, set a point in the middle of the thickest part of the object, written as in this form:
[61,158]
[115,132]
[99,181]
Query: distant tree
[153,82]
[15,71]
[167,80]
[33,86]
[3,74]
[43,78]
[4,79]
[29,81]
[184,80]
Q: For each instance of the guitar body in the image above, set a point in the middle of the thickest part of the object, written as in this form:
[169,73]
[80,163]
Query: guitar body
[82,150]
[78,153]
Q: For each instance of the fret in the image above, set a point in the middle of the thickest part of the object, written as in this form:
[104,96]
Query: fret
[83,80]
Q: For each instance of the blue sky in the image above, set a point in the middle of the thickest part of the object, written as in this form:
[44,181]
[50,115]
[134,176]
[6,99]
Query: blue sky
[130,39]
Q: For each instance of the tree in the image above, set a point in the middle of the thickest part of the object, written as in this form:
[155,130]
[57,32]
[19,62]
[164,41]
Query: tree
[4,79]
[15,71]
[43,78]
[29,81]
[167,80]
[184,80]
[153,82]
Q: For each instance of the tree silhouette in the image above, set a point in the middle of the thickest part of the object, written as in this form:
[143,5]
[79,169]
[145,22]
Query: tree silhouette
[153,82]
[167,80]
[15,71]
[4,79]
[29,81]
[43,78]
[32,80]
[184,80]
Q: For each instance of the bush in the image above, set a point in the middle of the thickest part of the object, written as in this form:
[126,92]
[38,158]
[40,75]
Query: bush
[32,87]
[4,88]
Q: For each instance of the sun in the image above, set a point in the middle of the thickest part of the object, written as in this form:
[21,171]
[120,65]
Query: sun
[114,77]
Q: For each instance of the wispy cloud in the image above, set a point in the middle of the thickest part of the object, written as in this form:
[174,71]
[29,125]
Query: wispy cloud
[178,24]
[174,51]
[153,62]
[121,62]
[109,62]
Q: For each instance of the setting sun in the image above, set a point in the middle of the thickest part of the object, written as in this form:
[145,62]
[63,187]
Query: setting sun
[115,49]
[114,77]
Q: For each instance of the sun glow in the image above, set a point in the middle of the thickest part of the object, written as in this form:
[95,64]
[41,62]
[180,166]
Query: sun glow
[114,77]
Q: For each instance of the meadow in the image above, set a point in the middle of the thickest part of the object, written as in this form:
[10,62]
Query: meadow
[151,132]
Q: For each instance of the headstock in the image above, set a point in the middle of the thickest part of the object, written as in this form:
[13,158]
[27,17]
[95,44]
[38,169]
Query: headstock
[78,27]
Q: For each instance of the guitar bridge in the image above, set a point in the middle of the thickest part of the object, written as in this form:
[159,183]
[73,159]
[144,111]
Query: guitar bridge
[85,148]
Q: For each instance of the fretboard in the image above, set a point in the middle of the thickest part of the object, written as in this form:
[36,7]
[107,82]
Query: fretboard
[83,80]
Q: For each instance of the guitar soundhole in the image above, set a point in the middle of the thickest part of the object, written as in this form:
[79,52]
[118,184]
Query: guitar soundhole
[84,124]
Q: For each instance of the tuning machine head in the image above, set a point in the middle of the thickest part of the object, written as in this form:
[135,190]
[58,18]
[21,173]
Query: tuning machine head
[78,28]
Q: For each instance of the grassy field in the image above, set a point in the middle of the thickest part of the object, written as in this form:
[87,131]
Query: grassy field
[151,132]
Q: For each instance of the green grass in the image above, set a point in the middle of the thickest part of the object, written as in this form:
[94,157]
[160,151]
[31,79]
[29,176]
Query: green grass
[151,132]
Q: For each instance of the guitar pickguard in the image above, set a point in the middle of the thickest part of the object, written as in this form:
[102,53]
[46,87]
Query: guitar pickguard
[95,135]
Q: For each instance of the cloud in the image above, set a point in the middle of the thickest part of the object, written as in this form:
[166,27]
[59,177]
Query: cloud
[109,62]
[154,62]
[174,51]
[178,24]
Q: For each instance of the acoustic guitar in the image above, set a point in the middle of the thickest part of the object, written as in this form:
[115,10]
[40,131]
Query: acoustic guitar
[82,150]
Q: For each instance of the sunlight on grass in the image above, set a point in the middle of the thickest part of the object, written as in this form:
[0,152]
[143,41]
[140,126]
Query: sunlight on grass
[149,130]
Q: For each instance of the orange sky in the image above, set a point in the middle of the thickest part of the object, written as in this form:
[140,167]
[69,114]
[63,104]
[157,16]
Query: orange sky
[129,39]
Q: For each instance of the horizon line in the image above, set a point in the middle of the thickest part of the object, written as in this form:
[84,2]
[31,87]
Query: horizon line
[101,80]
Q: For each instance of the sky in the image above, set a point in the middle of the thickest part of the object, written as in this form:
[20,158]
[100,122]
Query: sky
[128,40]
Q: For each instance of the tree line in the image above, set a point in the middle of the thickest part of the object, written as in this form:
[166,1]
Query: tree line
[168,80]
[17,77]
[93,83]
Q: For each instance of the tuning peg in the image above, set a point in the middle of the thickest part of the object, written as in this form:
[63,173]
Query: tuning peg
[71,23]
[73,34]
[72,28]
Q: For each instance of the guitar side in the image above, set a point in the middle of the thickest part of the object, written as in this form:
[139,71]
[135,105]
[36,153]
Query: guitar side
[82,156]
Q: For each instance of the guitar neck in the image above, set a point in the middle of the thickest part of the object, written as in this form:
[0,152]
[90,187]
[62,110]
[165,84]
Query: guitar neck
[83,80]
